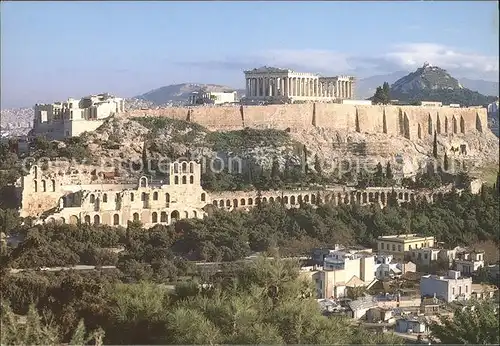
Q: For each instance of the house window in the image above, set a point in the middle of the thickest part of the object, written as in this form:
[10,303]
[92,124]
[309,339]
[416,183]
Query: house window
[399,248]
[393,247]
[425,256]
[453,290]
[381,246]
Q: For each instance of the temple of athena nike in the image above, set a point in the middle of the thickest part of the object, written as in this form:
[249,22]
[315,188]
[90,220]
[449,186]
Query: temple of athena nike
[275,84]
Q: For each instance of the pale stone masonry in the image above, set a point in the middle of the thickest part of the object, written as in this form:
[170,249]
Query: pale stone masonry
[267,83]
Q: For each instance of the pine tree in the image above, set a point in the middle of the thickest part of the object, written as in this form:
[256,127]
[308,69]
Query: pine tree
[388,171]
[386,92]
[317,165]
[446,164]
[435,146]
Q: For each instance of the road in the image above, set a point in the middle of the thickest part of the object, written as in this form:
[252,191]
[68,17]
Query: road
[57,269]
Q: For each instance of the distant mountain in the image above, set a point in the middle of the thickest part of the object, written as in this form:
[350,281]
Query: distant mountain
[365,87]
[179,93]
[432,83]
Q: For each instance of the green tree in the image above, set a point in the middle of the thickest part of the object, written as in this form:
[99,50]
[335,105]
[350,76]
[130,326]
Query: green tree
[388,171]
[477,323]
[435,146]
[446,164]
[382,94]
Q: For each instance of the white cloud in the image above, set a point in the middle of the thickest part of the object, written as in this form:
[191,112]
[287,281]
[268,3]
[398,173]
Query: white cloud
[408,56]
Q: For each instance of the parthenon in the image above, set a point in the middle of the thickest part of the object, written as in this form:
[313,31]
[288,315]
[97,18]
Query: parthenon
[268,83]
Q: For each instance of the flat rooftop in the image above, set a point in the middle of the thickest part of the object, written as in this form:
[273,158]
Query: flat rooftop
[404,237]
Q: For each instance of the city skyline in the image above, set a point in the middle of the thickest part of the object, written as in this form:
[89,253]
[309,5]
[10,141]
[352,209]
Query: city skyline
[128,48]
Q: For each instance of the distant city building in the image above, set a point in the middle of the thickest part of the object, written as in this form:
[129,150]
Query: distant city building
[211,97]
[283,85]
[431,104]
[448,288]
[399,245]
[469,262]
[60,120]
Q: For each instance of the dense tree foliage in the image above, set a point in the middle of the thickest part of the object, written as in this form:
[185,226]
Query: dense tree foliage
[382,95]
[476,323]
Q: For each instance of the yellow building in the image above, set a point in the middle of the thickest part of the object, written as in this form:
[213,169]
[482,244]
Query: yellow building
[398,245]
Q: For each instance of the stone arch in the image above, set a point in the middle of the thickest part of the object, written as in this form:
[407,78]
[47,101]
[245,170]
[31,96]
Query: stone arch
[176,180]
[155,196]
[407,196]
[313,198]
[306,198]
[135,217]
[406,127]
[186,215]
[235,166]
[400,195]
[143,181]
[154,217]
[264,200]
[184,180]
[73,220]
[215,203]
[278,199]
[163,217]
[191,179]
[292,200]
[184,167]
[116,219]
[242,201]
[53,183]
[365,197]
[358,197]
[87,219]
[104,198]
[271,199]
[35,171]
[377,196]
[44,186]
[419,131]
[235,203]
[131,197]
[191,167]
[176,167]
[228,203]
[62,220]
[382,197]
[50,220]
[479,125]
[203,197]
[339,199]
[299,199]
[346,198]
[438,124]
[462,124]
[97,219]
[221,203]
[195,214]
[174,216]
[143,196]
[35,186]
[250,201]
[429,124]
[285,200]
[167,199]
[454,124]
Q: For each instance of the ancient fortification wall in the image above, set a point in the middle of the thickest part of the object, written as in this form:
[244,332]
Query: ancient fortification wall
[411,122]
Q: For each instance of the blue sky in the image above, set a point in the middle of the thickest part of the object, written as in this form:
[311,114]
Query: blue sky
[54,50]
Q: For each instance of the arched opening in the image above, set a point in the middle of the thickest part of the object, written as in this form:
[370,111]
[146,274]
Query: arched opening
[264,200]
[479,126]
[313,199]
[419,132]
[104,198]
[454,124]
[143,182]
[250,201]
[184,179]
[191,179]
[53,183]
[167,200]
[221,203]
[191,167]
[365,198]
[306,198]
[87,219]
[135,217]
[438,124]
[176,167]
[44,186]
[300,199]
[154,217]
[407,196]
[131,197]
[462,124]
[116,219]
[195,214]
[235,203]
[285,200]
[163,217]
[228,203]
[155,196]
[203,197]
[215,203]
[429,125]
[271,199]
[73,219]
[35,185]
[97,219]
[35,171]
[176,180]
[174,216]
[62,220]
[186,215]
[242,201]
[184,167]
[292,200]
[400,195]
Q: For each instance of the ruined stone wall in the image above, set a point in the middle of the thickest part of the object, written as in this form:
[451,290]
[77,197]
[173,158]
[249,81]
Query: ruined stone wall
[411,122]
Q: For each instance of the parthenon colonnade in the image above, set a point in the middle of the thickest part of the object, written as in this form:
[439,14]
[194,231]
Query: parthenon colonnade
[268,82]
